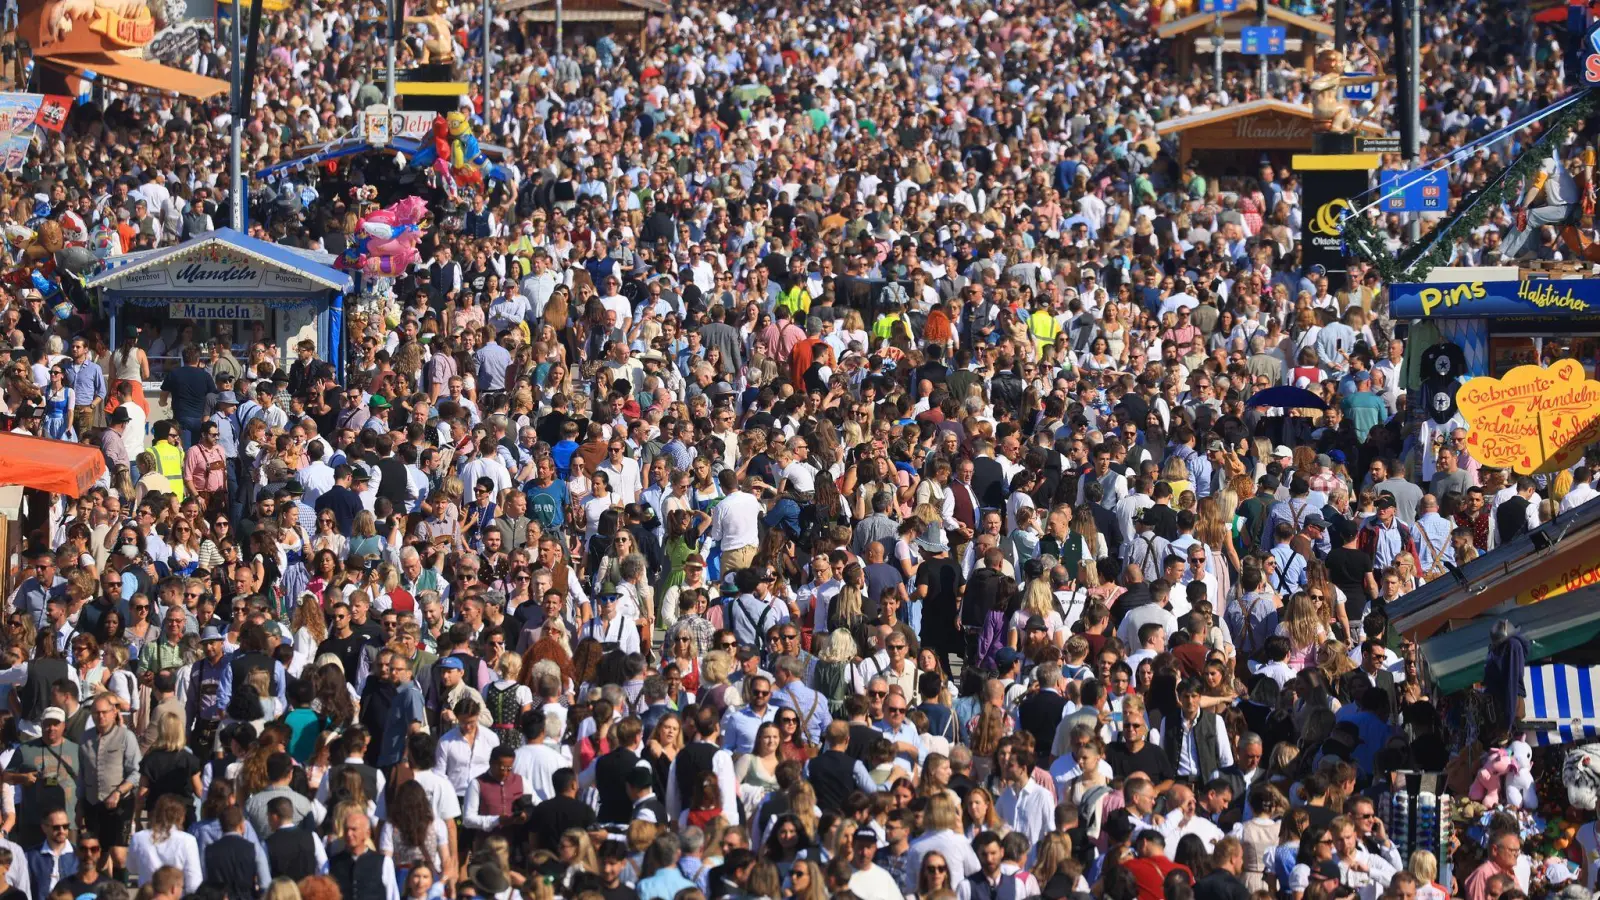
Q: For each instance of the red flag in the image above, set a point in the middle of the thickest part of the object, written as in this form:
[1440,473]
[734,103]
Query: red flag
[53,112]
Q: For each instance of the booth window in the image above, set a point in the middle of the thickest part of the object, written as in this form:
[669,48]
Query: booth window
[1507,351]
[164,338]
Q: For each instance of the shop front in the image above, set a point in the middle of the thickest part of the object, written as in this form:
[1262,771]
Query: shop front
[224,288]
[1232,141]
[1501,318]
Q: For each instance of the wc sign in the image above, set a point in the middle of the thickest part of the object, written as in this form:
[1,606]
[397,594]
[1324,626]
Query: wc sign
[1360,93]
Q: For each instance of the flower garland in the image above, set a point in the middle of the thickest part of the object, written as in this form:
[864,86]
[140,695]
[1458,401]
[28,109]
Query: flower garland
[1414,263]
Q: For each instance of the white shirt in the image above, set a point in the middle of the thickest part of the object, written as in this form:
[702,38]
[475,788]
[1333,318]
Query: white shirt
[1580,494]
[1187,755]
[734,523]
[621,630]
[875,883]
[1031,811]
[316,478]
[180,850]
[1175,827]
[625,480]
[463,761]
[535,763]
[956,850]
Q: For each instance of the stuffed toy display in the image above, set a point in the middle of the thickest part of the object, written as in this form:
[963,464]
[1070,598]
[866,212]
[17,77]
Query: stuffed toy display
[1519,789]
[1581,775]
[1486,786]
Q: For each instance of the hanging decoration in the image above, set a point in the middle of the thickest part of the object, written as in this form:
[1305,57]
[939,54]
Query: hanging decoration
[1413,264]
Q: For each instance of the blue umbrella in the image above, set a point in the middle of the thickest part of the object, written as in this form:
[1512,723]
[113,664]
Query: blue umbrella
[1287,396]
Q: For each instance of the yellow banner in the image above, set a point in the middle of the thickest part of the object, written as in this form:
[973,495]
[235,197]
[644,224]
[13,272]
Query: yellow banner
[1534,419]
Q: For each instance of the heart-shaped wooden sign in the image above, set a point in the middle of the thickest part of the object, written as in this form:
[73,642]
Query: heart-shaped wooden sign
[1533,419]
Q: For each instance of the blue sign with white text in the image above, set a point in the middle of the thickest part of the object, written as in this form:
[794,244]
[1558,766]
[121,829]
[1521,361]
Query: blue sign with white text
[1359,93]
[1262,40]
[1411,191]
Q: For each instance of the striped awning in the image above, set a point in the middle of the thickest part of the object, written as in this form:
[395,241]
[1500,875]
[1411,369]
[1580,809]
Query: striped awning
[1561,704]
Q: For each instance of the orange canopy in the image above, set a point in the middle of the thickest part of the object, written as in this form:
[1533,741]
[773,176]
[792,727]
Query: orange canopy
[135,72]
[54,466]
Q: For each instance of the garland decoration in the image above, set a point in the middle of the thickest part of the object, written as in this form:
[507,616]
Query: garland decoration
[1413,264]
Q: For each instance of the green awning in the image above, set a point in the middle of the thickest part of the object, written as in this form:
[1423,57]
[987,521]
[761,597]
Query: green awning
[1455,658]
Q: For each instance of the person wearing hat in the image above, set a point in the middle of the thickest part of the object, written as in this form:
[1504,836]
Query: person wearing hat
[112,446]
[756,607]
[378,407]
[1295,510]
[46,767]
[1383,536]
[205,471]
[868,880]
[647,807]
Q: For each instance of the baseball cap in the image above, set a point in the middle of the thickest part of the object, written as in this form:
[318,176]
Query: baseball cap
[451,662]
[1316,521]
[53,714]
[1007,656]
[866,834]
[1214,447]
[1385,501]
[1281,450]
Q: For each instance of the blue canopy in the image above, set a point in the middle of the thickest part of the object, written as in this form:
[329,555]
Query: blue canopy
[1287,396]
[298,265]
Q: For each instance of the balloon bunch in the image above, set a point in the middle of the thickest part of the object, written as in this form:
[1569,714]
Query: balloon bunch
[467,161]
[386,241]
[436,154]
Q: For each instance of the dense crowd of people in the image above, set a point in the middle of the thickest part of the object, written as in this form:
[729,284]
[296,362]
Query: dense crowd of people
[823,466]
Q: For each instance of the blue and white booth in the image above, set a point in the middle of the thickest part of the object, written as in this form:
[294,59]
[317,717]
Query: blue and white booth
[224,286]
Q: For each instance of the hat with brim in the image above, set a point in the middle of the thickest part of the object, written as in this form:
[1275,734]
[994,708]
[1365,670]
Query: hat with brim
[488,877]
[378,401]
[933,545]
[211,633]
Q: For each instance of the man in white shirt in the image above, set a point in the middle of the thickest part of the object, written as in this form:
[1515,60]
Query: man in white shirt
[1582,490]
[626,479]
[613,301]
[1182,819]
[735,521]
[1025,805]
[536,760]
[870,881]
[1556,188]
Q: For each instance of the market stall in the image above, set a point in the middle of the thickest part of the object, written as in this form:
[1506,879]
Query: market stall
[226,287]
[1557,558]
[1503,317]
[1232,140]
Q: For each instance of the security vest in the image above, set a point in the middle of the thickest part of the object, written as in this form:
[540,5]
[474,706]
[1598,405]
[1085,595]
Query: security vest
[1043,327]
[170,459]
[797,300]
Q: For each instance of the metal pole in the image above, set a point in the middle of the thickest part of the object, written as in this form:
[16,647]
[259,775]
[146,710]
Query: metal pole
[1341,31]
[1414,132]
[488,12]
[1261,68]
[236,146]
[395,18]
[1216,62]
[559,45]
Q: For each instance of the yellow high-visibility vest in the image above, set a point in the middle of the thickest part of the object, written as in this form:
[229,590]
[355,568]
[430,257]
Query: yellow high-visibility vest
[170,459]
[1043,327]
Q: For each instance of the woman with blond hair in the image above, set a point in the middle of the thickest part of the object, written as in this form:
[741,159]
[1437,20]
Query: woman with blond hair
[165,843]
[1037,600]
[507,699]
[831,678]
[942,833]
[1304,628]
[1058,874]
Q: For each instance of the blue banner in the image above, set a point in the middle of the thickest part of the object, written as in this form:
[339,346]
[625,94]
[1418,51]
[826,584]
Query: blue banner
[1481,299]
[1262,40]
[1414,191]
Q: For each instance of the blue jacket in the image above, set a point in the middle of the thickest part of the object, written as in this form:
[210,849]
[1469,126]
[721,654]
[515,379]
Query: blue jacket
[41,867]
